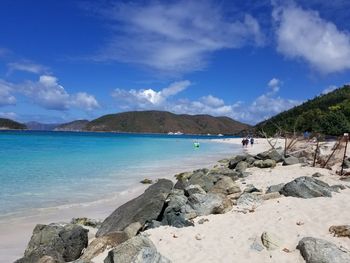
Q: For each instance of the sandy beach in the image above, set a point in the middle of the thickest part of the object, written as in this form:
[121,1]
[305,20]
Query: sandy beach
[232,236]
[229,237]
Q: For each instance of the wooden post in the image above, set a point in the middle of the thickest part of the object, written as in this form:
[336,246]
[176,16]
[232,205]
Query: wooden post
[285,145]
[336,148]
[315,156]
[344,156]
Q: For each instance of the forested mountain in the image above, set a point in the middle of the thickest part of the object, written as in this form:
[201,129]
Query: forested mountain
[11,125]
[328,114]
[78,125]
[164,122]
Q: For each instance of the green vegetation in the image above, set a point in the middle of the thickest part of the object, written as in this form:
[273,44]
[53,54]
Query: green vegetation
[164,122]
[11,125]
[327,114]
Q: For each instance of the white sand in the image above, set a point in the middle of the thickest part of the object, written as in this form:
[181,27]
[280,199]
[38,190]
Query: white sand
[228,237]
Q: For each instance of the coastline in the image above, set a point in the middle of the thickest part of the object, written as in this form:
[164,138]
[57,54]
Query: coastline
[16,231]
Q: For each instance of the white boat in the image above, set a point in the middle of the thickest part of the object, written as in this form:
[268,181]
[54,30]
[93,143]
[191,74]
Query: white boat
[220,134]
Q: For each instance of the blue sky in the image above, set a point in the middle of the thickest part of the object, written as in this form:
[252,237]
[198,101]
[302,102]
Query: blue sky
[66,60]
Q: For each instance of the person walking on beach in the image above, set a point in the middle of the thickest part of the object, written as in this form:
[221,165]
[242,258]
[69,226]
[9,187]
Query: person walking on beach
[251,141]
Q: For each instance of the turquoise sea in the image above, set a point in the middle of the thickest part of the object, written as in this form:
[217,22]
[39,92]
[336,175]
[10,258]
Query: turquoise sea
[47,169]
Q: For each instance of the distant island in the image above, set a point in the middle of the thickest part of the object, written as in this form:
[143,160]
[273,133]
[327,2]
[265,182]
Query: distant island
[7,124]
[145,122]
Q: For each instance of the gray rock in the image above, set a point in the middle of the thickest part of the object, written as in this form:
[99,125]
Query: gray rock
[250,200]
[139,249]
[224,171]
[250,160]
[306,187]
[275,188]
[100,244]
[144,208]
[225,185]
[194,189]
[210,203]
[316,250]
[271,154]
[268,163]
[176,211]
[291,160]
[235,160]
[181,184]
[338,187]
[62,243]
[241,166]
[346,163]
[202,178]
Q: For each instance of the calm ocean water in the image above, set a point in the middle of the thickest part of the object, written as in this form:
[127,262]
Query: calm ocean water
[45,169]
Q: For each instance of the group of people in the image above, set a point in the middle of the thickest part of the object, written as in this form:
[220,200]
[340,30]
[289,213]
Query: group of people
[245,141]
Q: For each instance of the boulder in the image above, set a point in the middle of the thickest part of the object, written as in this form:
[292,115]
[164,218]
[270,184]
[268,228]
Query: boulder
[211,203]
[275,188]
[181,184]
[268,163]
[316,175]
[61,243]
[202,178]
[249,200]
[291,160]
[224,171]
[316,250]
[139,249]
[100,244]
[241,166]
[270,241]
[194,189]
[271,154]
[177,210]
[235,160]
[144,208]
[225,185]
[306,187]
[340,231]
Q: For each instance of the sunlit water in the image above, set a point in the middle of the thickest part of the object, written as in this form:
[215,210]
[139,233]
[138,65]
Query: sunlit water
[45,169]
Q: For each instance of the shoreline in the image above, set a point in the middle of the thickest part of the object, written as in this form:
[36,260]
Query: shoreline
[16,231]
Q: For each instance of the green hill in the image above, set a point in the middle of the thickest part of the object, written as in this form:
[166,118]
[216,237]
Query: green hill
[7,124]
[164,122]
[328,114]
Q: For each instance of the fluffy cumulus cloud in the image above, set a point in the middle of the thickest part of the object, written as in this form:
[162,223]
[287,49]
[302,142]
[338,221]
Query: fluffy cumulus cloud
[174,36]
[259,109]
[47,93]
[303,34]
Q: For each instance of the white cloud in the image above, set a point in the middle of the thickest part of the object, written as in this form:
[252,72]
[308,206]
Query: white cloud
[329,89]
[8,115]
[176,36]
[6,96]
[259,109]
[274,84]
[148,98]
[303,34]
[84,101]
[26,66]
[47,93]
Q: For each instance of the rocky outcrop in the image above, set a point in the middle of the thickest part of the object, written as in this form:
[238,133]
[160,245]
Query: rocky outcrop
[306,187]
[139,249]
[225,185]
[268,163]
[61,243]
[145,208]
[203,179]
[316,250]
[272,155]
[249,200]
